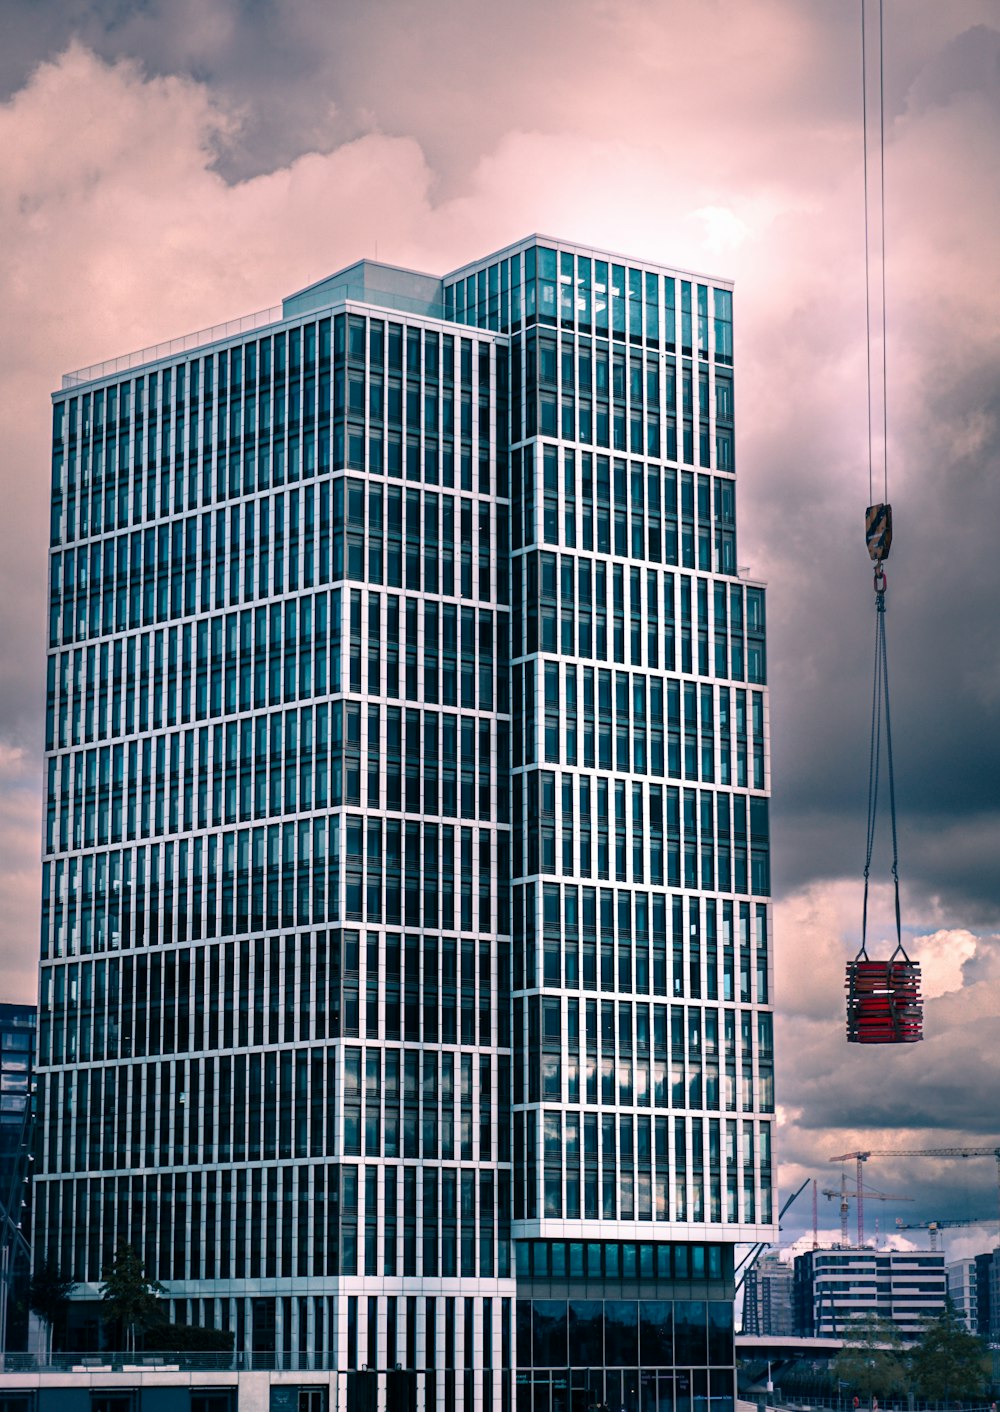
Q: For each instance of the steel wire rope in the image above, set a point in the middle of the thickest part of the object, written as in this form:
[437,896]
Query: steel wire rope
[881,172]
[892,785]
[874,756]
[868,296]
[880,678]
[868,252]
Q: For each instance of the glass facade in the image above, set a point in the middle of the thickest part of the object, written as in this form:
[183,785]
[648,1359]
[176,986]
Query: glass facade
[406,858]
[642,1062]
[17,1056]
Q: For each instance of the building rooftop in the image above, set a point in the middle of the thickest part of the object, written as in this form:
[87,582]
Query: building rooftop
[368,282]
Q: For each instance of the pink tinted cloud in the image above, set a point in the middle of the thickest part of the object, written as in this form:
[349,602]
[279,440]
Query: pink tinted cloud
[724,140]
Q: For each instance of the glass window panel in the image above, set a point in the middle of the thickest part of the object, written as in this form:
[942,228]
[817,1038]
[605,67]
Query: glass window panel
[586,1333]
[690,1332]
[656,1345]
[549,1332]
[621,1333]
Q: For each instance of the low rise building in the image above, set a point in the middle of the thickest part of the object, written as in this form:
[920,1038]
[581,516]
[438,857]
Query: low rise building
[832,1287]
[147,1385]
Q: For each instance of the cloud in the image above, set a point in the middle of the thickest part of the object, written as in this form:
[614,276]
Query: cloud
[162,176]
[310,77]
[838,1098]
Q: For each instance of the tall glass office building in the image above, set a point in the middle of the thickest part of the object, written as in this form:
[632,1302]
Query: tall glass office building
[405,993]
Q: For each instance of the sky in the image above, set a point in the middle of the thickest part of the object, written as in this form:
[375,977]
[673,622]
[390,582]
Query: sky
[168,166]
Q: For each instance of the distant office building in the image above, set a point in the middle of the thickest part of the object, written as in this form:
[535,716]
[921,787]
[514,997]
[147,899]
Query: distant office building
[963,1289]
[768,1304]
[832,1287]
[972,1288]
[969,1291]
[989,1293]
[984,1299]
[17,1055]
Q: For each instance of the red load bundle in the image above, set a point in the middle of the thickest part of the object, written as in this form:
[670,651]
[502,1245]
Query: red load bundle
[883,1001]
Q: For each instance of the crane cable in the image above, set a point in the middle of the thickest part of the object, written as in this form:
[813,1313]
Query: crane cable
[881,720]
[868,246]
[878,520]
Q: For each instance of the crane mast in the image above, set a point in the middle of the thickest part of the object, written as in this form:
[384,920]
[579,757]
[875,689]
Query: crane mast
[846,1197]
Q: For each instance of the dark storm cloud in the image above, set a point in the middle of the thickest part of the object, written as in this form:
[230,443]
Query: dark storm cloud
[805,517]
[947,863]
[716,135]
[298,76]
[944,590]
[306,75]
[969,63]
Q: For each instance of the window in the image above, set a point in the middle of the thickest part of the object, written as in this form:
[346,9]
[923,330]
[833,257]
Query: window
[104,1401]
[215,1399]
[14,1400]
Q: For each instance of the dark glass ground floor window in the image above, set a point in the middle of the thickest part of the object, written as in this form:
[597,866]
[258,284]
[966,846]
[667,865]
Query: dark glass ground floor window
[16,1401]
[656,1342]
[213,1399]
[263,1325]
[720,1333]
[117,1401]
[586,1333]
[287,1397]
[621,1333]
[690,1333]
[624,1333]
[549,1347]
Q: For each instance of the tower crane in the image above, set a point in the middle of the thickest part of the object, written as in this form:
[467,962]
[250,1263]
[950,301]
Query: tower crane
[846,1197]
[861,1157]
[932,1227]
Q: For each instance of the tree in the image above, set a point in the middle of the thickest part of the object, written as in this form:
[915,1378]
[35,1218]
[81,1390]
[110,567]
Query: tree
[131,1298]
[48,1297]
[949,1361]
[871,1361]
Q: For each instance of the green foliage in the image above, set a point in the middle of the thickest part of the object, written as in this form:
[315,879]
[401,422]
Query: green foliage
[49,1295]
[949,1361]
[50,1292]
[871,1361]
[186,1338]
[131,1299]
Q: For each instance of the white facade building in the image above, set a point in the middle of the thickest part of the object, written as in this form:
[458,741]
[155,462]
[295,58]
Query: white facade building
[832,1287]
